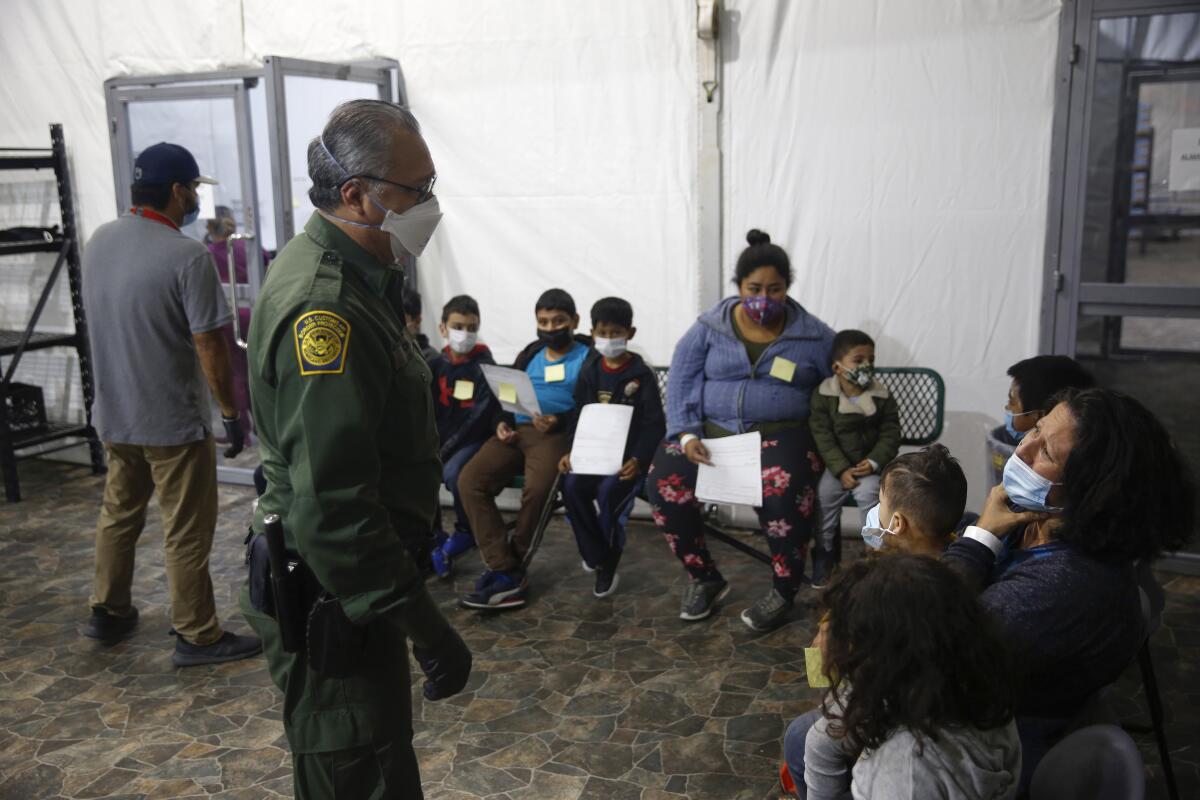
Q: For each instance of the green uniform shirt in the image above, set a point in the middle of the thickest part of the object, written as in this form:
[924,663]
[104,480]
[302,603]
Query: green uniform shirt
[343,411]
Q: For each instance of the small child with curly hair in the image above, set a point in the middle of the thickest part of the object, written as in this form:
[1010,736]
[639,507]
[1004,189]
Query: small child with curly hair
[921,698]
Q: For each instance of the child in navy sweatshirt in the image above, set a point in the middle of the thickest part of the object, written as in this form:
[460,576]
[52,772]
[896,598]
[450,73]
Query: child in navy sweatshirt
[599,505]
[463,408]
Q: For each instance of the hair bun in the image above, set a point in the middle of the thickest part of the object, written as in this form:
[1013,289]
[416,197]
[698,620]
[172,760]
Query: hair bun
[757,237]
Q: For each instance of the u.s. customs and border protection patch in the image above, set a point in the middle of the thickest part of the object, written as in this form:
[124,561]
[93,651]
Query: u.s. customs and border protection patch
[322,343]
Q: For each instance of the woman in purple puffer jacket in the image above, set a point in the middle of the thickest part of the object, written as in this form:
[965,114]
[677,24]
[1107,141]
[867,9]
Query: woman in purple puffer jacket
[748,364]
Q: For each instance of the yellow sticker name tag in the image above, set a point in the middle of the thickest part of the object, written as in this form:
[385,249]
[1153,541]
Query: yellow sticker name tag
[783,369]
[464,390]
[322,343]
[508,393]
[815,666]
[555,373]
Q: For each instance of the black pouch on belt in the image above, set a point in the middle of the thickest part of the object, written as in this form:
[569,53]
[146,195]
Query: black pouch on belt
[335,645]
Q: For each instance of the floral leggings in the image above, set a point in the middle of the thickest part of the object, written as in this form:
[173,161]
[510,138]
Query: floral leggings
[791,469]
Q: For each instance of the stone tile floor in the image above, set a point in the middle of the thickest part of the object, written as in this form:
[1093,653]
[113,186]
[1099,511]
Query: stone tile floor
[571,697]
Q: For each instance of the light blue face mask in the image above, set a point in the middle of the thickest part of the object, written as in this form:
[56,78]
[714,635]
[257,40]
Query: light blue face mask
[872,533]
[1008,426]
[1009,419]
[1025,487]
[192,215]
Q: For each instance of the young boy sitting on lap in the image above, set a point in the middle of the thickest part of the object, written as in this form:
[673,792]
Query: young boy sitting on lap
[463,408]
[922,497]
[598,505]
[856,424]
[524,445]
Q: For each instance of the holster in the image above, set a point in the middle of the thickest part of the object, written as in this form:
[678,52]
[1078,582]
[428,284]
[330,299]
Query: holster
[335,645]
[309,618]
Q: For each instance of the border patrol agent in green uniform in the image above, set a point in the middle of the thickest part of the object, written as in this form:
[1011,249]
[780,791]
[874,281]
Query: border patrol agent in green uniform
[342,402]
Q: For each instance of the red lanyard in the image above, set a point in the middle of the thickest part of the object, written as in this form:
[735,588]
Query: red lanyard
[150,213]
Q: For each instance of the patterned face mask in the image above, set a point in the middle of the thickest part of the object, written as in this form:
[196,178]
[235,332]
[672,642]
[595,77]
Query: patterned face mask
[762,309]
[861,376]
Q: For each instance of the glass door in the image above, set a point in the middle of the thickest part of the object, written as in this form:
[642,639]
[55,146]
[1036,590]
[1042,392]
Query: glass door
[302,93]
[1125,298]
[249,128]
[213,122]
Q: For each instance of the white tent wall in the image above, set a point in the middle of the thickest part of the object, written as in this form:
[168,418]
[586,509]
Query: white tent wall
[899,151]
[563,133]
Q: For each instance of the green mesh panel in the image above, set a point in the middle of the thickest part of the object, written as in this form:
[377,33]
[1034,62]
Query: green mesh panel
[920,393]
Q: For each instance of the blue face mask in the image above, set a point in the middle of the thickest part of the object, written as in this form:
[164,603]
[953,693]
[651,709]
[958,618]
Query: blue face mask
[1008,426]
[872,533]
[1025,487]
[190,217]
[1009,419]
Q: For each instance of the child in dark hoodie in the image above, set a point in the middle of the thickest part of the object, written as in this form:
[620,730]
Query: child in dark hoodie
[598,505]
[524,446]
[463,409]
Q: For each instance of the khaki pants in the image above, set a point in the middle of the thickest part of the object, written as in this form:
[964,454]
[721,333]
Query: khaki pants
[493,467]
[186,479]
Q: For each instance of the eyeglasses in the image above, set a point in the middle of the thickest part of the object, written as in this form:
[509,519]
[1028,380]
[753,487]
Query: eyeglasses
[423,192]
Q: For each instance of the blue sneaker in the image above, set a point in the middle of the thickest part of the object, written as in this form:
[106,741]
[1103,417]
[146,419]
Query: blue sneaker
[441,564]
[497,591]
[458,543]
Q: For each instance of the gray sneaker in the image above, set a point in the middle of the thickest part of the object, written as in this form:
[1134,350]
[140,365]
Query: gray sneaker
[699,598]
[768,613]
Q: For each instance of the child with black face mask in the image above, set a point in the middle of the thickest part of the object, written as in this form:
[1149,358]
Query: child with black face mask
[529,446]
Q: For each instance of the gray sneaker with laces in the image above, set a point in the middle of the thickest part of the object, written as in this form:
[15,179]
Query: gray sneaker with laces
[768,613]
[700,597]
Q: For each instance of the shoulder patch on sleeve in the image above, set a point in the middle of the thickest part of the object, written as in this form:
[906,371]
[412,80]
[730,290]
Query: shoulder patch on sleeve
[322,343]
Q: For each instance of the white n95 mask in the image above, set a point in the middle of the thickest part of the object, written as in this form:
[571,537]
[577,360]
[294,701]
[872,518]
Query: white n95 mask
[412,230]
[462,342]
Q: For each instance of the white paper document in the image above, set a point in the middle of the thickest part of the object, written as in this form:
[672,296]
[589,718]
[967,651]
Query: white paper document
[513,389]
[736,473]
[600,435]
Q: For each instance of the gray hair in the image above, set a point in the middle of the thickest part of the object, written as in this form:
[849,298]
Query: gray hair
[357,141]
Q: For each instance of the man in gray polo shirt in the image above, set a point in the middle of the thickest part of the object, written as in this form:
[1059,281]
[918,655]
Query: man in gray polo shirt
[156,312]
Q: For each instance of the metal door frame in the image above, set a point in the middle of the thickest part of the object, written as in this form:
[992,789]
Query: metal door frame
[119,100]
[1064,297]
[276,69]
[234,83]
[122,147]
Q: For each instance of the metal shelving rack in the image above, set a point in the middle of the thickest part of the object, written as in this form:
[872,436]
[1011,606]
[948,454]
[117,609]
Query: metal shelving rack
[15,343]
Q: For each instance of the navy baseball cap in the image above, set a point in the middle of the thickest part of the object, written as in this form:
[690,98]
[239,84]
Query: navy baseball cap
[166,163]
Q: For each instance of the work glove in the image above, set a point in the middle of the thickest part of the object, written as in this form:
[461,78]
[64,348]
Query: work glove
[236,435]
[446,665]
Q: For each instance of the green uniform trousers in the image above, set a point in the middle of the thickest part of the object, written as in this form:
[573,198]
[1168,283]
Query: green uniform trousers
[386,771]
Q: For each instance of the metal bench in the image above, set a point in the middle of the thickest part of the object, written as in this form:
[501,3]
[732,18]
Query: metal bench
[920,393]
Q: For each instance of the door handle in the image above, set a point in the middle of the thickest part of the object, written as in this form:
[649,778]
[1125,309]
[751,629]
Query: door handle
[233,284]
